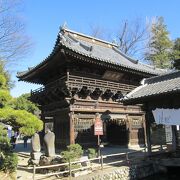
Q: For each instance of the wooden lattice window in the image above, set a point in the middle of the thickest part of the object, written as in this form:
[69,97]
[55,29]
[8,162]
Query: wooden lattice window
[117,121]
[136,123]
[83,124]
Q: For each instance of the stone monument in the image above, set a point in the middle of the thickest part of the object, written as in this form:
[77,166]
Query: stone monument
[36,147]
[49,141]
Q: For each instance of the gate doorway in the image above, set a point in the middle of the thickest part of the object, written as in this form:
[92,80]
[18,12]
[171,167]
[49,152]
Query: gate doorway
[117,134]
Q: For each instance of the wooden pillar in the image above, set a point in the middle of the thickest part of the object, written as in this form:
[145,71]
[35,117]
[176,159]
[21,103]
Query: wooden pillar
[144,126]
[71,130]
[174,133]
[148,132]
[67,74]
[129,130]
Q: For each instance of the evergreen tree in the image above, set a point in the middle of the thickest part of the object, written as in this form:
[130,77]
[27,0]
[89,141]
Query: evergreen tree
[5,81]
[176,49]
[23,103]
[12,113]
[176,53]
[160,45]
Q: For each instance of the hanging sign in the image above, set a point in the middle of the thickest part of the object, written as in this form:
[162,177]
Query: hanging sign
[98,127]
[167,116]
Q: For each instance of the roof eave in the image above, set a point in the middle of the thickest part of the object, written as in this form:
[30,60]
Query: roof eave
[153,97]
[112,64]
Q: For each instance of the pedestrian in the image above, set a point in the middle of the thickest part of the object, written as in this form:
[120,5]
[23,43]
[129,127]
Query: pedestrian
[13,142]
[25,138]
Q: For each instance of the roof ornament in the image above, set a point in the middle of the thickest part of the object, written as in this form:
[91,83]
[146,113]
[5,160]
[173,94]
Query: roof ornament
[63,27]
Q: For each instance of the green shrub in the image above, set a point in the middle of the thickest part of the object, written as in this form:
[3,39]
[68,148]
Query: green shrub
[74,152]
[26,122]
[92,153]
[5,145]
[9,162]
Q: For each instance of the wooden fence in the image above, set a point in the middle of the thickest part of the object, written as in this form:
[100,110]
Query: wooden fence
[94,163]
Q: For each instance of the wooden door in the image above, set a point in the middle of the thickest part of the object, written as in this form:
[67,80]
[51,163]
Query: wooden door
[137,136]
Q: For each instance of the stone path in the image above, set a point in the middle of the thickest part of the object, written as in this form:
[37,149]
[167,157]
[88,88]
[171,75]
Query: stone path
[23,156]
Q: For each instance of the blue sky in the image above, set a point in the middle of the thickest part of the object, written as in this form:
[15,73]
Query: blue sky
[44,17]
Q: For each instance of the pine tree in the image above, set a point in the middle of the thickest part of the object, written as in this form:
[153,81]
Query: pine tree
[176,49]
[160,45]
[12,113]
[176,53]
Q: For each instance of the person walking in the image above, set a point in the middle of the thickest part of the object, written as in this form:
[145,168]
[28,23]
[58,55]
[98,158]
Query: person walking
[25,138]
[13,142]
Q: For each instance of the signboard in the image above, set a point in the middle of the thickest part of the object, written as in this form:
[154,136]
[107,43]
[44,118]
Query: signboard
[167,116]
[168,130]
[48,117]
[98,127]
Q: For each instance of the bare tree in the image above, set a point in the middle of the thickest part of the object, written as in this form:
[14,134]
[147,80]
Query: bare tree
[97,31]
[133,37]
[14,43]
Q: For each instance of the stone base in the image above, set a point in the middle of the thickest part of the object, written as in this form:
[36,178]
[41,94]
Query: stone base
[170,147]
[45,161]
[36,155]
[33,162]
[80,173]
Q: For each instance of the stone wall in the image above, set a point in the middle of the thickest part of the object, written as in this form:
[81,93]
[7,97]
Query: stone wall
[124,172]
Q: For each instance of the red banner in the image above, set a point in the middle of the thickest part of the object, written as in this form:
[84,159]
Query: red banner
[98,127]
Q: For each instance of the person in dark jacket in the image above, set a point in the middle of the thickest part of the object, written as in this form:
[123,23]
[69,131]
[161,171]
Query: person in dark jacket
[13,142]
[25,138]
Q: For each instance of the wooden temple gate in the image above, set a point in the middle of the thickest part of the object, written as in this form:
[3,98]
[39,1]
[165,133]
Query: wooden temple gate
[84,76]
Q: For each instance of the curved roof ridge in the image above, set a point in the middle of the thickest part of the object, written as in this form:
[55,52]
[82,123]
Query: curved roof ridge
[63,38]
[87,36]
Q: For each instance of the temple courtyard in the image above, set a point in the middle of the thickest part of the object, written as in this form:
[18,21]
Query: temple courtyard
[24,154]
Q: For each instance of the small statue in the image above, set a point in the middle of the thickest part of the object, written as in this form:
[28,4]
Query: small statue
[49,140]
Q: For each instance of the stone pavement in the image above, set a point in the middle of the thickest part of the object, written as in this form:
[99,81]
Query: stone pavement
[23,156]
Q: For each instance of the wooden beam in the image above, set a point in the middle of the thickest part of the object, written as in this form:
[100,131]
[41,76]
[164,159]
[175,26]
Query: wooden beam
[148,132]
[144,126]
[174,133]
[72,137]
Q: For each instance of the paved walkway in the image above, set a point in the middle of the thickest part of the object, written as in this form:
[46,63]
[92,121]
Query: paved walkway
[23,156]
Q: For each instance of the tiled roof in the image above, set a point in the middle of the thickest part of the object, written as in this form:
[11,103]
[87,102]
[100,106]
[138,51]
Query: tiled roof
[109,53]
[97,49]
[159,85]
